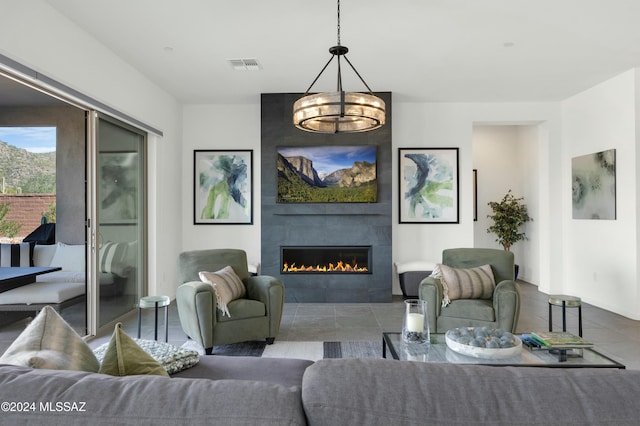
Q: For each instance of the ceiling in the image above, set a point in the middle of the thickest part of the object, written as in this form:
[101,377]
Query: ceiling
[421,50]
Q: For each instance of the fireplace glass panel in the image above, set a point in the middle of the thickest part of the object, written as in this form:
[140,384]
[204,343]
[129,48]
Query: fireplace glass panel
[340,259]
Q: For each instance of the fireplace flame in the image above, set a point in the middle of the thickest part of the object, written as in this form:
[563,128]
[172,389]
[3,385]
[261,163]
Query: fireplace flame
[338,267]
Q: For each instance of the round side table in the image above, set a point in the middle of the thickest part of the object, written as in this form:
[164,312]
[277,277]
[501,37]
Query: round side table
[156,302]
[565,302]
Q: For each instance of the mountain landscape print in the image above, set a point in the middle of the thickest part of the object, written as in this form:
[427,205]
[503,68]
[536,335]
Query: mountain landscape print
[327,174]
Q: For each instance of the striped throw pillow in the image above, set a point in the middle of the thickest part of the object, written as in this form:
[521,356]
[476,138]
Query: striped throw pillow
[227,286]
[16,254]
[112,258]
[470,283]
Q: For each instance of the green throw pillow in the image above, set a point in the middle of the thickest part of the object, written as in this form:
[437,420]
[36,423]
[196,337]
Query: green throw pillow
[172,358]
[125,358]
[49,342]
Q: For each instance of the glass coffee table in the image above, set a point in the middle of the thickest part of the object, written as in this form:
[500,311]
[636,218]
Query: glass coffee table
[438,352]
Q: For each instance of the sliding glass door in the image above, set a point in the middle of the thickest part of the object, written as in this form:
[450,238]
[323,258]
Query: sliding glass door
[120,210]
[100,191]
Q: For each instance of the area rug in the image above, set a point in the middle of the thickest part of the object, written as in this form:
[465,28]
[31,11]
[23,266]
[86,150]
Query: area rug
[300,350]
[352,350]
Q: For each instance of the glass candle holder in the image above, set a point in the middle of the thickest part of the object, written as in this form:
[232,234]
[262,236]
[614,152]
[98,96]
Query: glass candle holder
[415,326]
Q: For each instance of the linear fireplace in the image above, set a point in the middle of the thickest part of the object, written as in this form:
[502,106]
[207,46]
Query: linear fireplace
[352,229]
[326,259]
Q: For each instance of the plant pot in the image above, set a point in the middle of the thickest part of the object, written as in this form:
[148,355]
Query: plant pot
[516,268]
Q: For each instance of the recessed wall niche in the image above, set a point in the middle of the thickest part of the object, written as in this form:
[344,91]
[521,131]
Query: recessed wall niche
[325,224]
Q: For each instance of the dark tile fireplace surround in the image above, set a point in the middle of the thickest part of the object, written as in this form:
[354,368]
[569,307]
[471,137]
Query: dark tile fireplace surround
[354,231]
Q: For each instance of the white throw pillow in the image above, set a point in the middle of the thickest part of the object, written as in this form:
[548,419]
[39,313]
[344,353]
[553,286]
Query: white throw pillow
[227,286]
[49,342]
[69,257]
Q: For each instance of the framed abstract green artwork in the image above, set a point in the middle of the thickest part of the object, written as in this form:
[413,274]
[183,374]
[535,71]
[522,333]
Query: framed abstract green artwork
[223,187]
[593,186]
[428,183]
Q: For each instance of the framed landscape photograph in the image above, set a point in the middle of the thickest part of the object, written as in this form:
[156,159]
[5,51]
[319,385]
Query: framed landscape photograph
[223,187]
[327,174]
[428,181]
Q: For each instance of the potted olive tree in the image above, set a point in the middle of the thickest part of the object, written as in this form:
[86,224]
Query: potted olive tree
[508,216]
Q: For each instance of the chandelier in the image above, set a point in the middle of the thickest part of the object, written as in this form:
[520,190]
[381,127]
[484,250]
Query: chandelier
[339,111]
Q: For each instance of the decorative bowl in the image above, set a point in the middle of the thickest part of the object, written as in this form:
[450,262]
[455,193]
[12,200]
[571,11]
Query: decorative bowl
[455,340]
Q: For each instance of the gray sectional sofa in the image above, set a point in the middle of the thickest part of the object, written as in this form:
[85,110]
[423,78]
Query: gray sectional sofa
[263,391]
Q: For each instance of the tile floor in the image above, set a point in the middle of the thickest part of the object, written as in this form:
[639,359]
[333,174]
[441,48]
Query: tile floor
[612,334]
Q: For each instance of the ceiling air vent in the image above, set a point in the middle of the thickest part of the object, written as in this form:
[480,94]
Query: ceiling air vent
[245,64]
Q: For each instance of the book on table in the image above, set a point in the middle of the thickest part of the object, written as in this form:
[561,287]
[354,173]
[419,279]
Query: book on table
[559,339]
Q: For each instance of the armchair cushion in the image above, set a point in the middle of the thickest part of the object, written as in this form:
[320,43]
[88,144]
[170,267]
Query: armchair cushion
[243,308]
[468,283]
[227,286]
[473,309]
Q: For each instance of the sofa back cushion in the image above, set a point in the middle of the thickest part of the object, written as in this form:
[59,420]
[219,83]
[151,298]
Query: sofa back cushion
[136,400]
[387,392]
[42,254]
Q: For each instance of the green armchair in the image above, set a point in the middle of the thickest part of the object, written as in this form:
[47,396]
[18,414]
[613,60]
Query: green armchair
[255,317]
[501,311]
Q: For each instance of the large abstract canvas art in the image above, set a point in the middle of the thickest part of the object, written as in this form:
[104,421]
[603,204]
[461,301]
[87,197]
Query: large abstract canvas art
[593,185]
[223,187]
[428,185]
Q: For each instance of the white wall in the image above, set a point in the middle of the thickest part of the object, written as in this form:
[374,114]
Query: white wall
[506,158]
[37,36]
[496,157]
[451,125]
[220,127]
[529,140]
[601,256]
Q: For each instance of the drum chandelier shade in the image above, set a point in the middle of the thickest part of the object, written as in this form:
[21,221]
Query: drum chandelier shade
[339,111]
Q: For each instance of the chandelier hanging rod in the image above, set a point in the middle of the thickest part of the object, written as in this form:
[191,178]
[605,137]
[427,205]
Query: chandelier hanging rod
[338,51]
